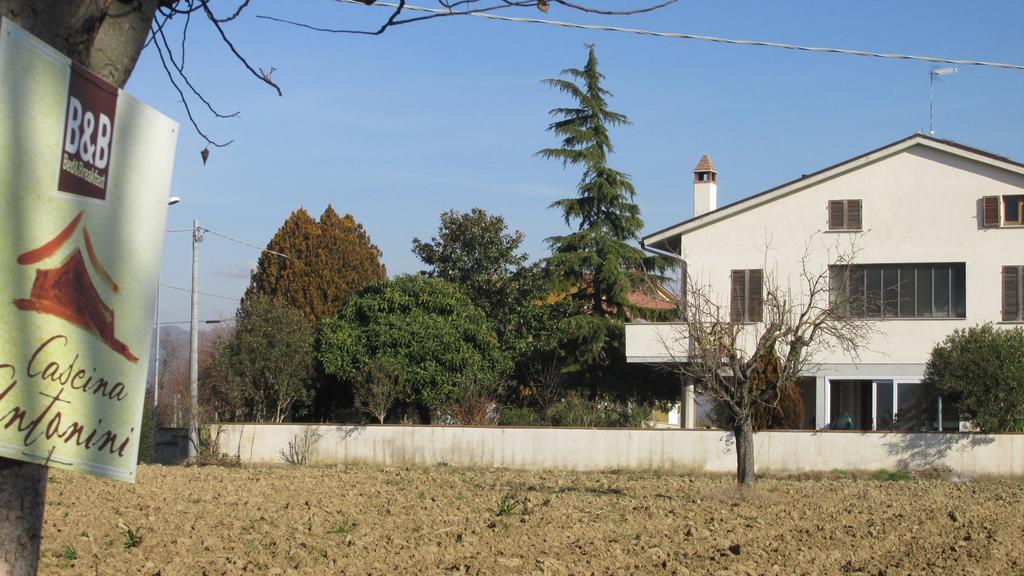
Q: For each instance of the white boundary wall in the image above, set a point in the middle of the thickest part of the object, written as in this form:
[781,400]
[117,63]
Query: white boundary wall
[599,449]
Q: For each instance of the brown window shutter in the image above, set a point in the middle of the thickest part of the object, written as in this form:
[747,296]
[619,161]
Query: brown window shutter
[737,292]
[990,211]
[1011,293]
[835,215]
[754,296]
[853,215]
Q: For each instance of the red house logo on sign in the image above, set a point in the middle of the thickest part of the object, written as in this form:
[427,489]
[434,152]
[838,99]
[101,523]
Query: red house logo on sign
[88,135]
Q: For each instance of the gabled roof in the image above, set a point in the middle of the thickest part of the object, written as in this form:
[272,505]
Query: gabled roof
[660,238]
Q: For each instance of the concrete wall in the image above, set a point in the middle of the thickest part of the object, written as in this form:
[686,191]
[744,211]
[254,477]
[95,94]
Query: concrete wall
[594,449]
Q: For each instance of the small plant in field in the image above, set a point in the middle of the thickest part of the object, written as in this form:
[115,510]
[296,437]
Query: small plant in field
[508,503]
[132,538]
[886,475]
[66,557]
[51,479]
[341,528]
[841,473]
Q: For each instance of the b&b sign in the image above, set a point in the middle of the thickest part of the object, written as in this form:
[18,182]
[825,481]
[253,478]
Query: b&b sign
[85,173]
[88,130]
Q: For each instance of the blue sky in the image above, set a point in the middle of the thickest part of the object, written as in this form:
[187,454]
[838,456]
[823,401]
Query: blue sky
[396,129]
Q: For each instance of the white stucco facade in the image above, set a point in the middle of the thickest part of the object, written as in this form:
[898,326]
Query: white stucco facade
[921,203]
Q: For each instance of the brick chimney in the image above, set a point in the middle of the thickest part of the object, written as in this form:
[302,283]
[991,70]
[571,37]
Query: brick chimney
[705,187]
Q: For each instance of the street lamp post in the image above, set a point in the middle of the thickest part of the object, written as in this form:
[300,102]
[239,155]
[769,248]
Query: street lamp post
[156,354]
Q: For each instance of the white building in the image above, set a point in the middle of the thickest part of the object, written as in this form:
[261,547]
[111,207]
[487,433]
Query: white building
[938,233]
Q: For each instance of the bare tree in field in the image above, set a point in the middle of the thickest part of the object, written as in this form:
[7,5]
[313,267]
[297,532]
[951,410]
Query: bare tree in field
[742,366]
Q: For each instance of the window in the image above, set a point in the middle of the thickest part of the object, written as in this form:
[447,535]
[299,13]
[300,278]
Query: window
[1012,293]
[1002,210]
[901,290]
[1012,209]
[888,405]
[844,215]
[745,296]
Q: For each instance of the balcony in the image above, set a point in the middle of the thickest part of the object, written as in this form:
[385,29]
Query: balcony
[656,342]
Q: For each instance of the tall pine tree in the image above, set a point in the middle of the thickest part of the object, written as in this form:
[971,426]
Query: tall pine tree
[598,263]
[327,262]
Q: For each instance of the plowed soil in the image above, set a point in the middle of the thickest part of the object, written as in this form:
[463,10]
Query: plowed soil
[376,520]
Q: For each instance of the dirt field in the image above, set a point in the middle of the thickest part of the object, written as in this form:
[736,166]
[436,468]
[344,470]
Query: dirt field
[370,520]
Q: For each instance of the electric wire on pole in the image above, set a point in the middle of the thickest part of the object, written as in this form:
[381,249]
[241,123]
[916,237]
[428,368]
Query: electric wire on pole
[673,35]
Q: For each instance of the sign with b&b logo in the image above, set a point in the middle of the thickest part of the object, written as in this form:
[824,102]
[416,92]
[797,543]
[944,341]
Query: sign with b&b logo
[88,131]
[85,173]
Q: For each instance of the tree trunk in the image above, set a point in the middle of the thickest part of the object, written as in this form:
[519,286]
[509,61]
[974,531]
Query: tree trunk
[105,36]
[744,435]
[22,500]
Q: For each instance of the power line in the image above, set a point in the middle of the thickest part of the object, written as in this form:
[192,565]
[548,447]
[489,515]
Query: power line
[180,289]
[679,35]
[243,242]
[200,321]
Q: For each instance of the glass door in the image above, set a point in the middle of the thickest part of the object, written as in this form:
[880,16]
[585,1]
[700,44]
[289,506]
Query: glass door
[884,404]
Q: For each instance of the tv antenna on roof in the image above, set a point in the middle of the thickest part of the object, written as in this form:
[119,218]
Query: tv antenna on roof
[933,75]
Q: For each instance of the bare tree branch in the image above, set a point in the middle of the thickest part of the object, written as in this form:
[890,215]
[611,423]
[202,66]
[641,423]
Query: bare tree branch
[467,7]
[223,35]
[180,68]
[184,101]
[744,366]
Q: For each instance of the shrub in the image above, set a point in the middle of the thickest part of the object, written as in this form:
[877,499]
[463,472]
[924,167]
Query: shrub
[514,416]
[379,386]
[577,410]
[982,369]
[427,327]
[574,410]
[886,475]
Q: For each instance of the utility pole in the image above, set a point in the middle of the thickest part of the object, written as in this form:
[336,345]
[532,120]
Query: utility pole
[193,359]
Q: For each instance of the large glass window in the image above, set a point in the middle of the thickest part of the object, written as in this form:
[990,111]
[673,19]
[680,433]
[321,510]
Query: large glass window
[887,405]
[900,290]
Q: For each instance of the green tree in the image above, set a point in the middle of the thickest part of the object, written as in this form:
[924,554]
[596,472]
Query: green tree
[597,264]
[477,252]
[426,326]
[266,367]
[981,368]
[327,261]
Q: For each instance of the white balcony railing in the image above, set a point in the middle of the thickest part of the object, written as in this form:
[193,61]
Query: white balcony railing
[657,342]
